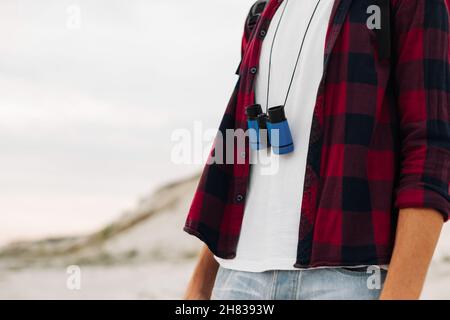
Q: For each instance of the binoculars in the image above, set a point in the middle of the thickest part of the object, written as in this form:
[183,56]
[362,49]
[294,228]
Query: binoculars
[269,130]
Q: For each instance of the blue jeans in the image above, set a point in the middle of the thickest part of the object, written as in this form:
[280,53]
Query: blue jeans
[313,284]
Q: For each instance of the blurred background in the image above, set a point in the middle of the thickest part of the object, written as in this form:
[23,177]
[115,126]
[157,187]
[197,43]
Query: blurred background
[91,92]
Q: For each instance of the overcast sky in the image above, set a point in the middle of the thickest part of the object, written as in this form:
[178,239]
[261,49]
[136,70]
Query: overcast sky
[90,92]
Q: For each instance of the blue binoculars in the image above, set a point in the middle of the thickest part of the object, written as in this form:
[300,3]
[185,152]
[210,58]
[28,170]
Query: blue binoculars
[269,130]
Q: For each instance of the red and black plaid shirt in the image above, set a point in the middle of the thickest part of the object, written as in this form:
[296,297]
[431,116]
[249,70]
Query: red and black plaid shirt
[380,139]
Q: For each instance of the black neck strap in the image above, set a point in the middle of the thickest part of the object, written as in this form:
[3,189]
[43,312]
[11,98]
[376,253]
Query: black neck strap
[298,56]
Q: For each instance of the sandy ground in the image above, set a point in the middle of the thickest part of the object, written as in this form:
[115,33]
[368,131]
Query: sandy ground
[144,281]
[437,285]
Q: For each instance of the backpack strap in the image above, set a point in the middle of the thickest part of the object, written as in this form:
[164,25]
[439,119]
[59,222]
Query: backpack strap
[384,35]
[252,20]
[255,13]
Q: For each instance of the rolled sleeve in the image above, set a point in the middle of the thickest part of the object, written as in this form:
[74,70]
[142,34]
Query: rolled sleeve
[422,79]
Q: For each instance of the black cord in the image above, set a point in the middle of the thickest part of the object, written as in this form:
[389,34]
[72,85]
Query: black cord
[298,57]
[271,51]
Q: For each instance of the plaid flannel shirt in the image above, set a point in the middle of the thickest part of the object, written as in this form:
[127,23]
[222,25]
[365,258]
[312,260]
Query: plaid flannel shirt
[380,138]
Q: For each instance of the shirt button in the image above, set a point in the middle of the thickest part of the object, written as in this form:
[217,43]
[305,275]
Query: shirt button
[253,70]
[243,155]
[239,198]
[263,33]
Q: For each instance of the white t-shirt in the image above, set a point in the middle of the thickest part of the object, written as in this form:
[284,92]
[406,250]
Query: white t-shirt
[269,233]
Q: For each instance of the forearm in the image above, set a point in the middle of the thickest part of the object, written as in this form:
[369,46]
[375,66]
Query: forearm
[202,281]
[418,231]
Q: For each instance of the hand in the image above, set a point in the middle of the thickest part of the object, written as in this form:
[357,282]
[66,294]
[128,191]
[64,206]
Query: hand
[194,294]
[418,231]
[202,282]
[399,295]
